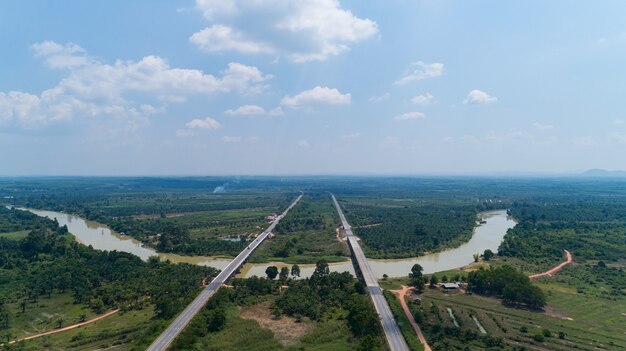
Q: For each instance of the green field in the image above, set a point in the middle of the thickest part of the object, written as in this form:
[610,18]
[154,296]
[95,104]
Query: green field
[587,323]
[306,235]
[15,235]
[116,332]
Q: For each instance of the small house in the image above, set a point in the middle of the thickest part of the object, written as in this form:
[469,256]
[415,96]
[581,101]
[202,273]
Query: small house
[450,286]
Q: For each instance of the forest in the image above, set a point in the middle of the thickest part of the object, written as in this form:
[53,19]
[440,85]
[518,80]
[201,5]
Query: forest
[49,263]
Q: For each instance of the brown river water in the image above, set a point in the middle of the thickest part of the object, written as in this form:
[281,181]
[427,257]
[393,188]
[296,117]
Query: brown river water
[485,236]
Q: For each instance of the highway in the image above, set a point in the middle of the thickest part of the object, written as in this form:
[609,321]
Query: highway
[167,337]
[390,327]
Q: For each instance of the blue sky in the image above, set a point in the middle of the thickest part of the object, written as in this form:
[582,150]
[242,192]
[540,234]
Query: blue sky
[311,87]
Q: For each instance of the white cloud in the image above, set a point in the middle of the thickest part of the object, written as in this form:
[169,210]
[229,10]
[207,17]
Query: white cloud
[409,116]
[246,110]
[303,143]
[541,126]
[423,100]
[618,121]
[352,135]
[231,139]
[198,124]
[222,38]
[276,112]
[212,9]
[379,98]
[321,95]
[61,56]
[302,30]
[479,97]
[207,124]
[92,88]
[421,71]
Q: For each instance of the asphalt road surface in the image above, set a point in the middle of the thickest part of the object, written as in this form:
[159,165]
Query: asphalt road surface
[390,327]
[167,337]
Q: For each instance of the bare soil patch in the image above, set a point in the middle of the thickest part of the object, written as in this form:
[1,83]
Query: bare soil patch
[286,330]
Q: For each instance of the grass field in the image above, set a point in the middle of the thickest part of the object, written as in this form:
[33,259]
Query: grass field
[306,235]
[244,334]
[116,332]
[15,235]
[585,323]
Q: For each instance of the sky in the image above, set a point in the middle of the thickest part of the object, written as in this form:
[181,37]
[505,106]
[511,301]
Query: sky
[279,87]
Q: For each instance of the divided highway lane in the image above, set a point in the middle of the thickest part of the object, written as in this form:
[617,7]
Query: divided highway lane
[390,327]
[167,337]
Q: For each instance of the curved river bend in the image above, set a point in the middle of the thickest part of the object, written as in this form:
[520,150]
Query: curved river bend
[486,236]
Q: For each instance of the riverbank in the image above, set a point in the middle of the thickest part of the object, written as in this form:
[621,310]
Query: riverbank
[485,236]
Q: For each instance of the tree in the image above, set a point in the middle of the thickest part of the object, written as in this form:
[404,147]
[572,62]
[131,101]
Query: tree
[295,270]
[216,320]
[321,268]
[4,316]
[284,274]
[96,305]
[433,281]
[476,257]
[272,272]
[488,254]
[444,278]
[418,284]
[416,271]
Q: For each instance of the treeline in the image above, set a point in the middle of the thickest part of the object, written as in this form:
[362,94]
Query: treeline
[588,241]
[103,206]
[570,210]
[505,281]
[403,231]
[13,220]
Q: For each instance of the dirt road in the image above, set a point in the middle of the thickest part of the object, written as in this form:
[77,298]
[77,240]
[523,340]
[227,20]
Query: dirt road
[556,269]
[70,327]
[401,294]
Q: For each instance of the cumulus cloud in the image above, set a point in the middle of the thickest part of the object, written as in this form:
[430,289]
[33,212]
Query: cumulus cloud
[246,110]
[479,97]
[317,95]
[541,126]
[93,88]
[423,100]
[420,70]
[196,125]
[409,116]
[222,38]
[302,30]
[303,143]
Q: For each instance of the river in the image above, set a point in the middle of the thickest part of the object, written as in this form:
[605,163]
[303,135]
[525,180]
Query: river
[485,236]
